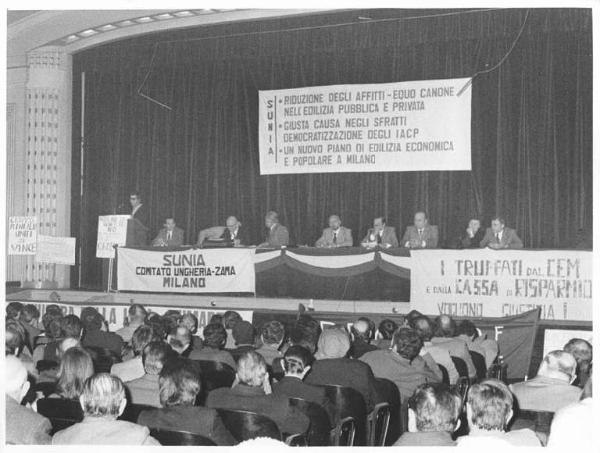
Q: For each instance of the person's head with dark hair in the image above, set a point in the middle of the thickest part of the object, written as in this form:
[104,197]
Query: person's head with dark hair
[30,314]
[386,329]
[135,198]
[71,326]
[13,310]
[445,326]
[179,384]
[155,321]
[155,355]
[171,320]
[361,330]
[92,320]
[297,361]
[272,334]
[141,337]
[15,337]
[216,319]
[497,224]
[489,406]
[215,336]
[305,332]
[334,343]
[180,339]
[434,408]
[243,333]
[423,326]
[51,321]
[411,315]
[103,395]
[468,329]
[583,353]
[75,367]
[190,321]
[407,343]
[137,314]
[231,318]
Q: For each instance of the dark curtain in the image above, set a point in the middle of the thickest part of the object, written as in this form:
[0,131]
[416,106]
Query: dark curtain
[531,124]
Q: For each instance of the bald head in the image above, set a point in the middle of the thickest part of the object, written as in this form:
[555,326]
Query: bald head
[362,329]
[231,222]
[15,379]
[558,365]
[420,219]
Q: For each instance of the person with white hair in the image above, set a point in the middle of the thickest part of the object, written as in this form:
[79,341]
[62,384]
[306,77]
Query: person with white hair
[23,425]
[103,401]
[551,389]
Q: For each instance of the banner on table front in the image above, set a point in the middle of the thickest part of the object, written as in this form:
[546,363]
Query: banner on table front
[22,235]
[112,230]
[492,283]
[188,271]
[57,250]
[406,126]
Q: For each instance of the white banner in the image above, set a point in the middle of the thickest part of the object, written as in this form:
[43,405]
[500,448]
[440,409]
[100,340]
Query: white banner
[22,235]
[189,271]
[57,250]
[112,229]
[406,126]
[493,283]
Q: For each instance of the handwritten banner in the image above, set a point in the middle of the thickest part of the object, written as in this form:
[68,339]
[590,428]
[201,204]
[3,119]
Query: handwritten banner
[112,230]
[189,271]
[490,283]
[57,250]
[405,126]
[22,235]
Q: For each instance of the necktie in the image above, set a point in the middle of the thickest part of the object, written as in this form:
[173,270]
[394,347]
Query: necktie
[498,237]
[169,234]
[420,233]
[379,237]
[335,237]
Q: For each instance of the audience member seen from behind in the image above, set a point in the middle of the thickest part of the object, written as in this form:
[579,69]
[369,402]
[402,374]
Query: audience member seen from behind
[361,332]
[103,400]
[96,333]
[230,319]
[433,416]
[488,348]
[271,337]
[134,368]
[384,334]
[215,337]
[583,353]
[190,321]
[29,318]
[75,367]
[489,409]
[180,339]
[444,337]
[144,390]
[136,316]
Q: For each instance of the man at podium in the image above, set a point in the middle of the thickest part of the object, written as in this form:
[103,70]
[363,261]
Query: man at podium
[137,231]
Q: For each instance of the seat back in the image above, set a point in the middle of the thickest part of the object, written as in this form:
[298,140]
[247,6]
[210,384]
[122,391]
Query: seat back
[445,375]
[479,362]
[61,413]
[349,402]
[538,421]
[390,393]
[461,366]
[179,438]
[213,375]
[378,422]
[462,386]
[132,412]
[245,425]
[103,358]
[343,434]
[320,426]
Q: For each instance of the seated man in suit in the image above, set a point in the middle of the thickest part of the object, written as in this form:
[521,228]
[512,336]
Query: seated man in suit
[133,368]
[96,333]
[500,237]
[215,337]
[445,337]
[179,384]
[277,234]
[336,235]
[23,425]
[433,412]
[421,235]
[551,389]
[583,353]
[473,235]
[136,317]
[234,235]
[271,337]
[361,338]
[380,235]
[103,401]
[251,391]
[169,236]
[297,363]
[144,390]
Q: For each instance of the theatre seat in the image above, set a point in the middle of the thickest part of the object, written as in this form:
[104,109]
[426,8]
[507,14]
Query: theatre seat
[479,362]
[378,422]
[180,438]
[445,376]
[133,411]
[461,366]
[390,393]
[538,421]
[61,413]
[320,433]
[348,402]
[246,425]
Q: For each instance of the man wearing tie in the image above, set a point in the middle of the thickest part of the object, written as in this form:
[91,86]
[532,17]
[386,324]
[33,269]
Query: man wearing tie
[501,237]
[170,236]
[277,234]
[336,235]
[380,235]
[139,217]
[421,235]
[234,233]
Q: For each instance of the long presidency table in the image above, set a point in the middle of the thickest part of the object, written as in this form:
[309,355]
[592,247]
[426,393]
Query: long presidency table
[349,273]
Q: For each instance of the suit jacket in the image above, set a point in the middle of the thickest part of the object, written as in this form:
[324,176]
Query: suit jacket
[144,390]
[129,370]
[472,243]
[140,220]
[509,239]
[457,348]
[176,238]
[388,236]
[242,397]
[213,355]
[544,394]
[348,373]
[278,236]
[292,387]
[101,431]
[360,347]
[100,339]
[194,419]
[242,235]
[25,426]
[442,357]
[344,238]
[429,235]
